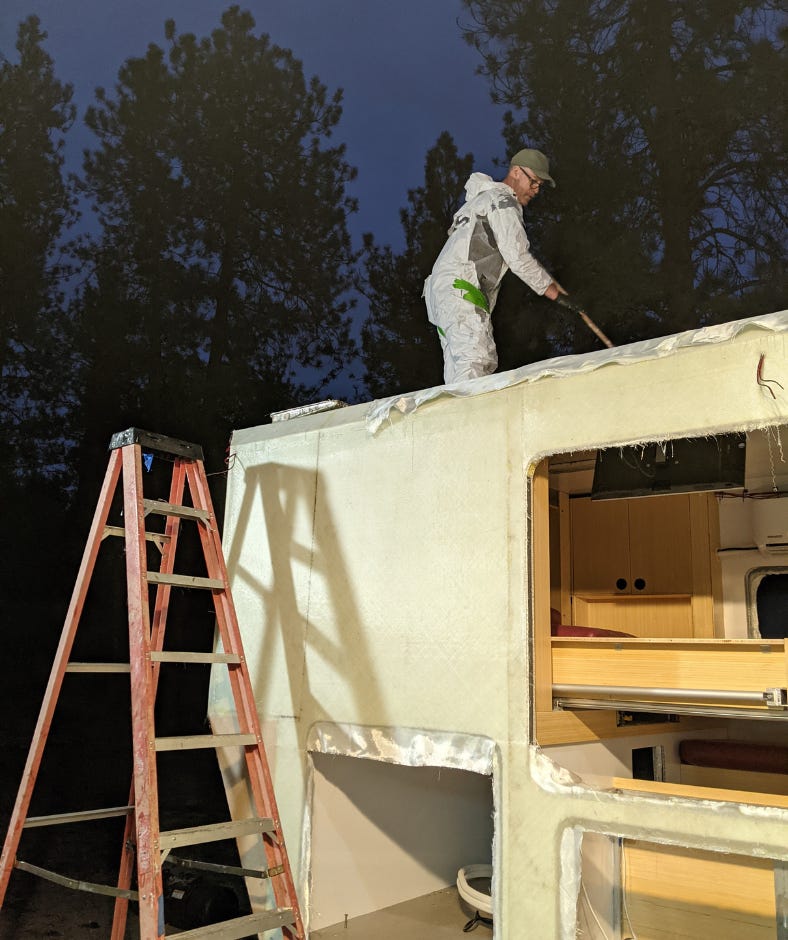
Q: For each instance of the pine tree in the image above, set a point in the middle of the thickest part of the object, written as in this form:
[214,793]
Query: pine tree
[401,348]
[224,260]
[665,123]
[36,207]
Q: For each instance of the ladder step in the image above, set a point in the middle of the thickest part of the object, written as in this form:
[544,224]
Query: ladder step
[60,819]
[159,508]
[241,926]
[185,580]
[196,865]
[167,657]
[214,832]
[117,531]
[75,884]
[98,667]
[157,657]
[193,742]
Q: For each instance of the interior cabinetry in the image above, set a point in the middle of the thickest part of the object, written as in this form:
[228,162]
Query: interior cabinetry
[582,548]
[647,566]
[643,566]
[619,546]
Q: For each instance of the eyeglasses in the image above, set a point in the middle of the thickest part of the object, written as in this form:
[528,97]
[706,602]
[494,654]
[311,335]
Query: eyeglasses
[533,181]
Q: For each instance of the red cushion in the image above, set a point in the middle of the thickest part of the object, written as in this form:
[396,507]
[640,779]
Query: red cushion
[565,629]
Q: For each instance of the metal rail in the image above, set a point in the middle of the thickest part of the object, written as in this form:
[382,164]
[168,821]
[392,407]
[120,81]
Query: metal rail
[659,694]
[769,704]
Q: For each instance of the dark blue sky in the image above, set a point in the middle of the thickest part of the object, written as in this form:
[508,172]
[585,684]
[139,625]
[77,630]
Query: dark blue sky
[406,72]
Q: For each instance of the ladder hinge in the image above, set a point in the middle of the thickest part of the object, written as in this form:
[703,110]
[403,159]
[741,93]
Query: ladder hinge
[156,442]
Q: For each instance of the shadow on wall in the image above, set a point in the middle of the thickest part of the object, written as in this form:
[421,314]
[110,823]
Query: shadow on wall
[284,543]
[384,833]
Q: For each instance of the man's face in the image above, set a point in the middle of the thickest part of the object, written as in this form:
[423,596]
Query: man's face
[527,185]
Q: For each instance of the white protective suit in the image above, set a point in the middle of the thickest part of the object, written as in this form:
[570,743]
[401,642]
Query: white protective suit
[487,238]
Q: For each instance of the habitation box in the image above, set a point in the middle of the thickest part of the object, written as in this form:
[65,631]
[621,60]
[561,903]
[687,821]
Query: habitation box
[394,566]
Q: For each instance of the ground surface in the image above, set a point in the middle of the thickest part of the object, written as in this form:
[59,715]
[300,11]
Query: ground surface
[437,916]
[89,851]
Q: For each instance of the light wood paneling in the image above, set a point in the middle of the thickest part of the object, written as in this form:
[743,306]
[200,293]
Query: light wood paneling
[600,545]
[728,665]
[689,791]
[568,727]
[750,781]
[644,616]
[706,572]
[540,531]
[660,544]
[565,529]
[649,539]
[657,546]
[673,892]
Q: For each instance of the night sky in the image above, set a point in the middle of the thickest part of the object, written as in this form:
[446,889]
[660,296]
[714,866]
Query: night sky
[406,72]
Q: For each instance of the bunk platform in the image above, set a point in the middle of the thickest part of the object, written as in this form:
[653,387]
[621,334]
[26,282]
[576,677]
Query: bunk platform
[714,677]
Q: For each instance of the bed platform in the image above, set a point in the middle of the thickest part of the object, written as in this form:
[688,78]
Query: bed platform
[743,677]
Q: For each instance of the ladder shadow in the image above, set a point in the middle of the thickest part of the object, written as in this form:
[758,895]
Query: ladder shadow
[283,543]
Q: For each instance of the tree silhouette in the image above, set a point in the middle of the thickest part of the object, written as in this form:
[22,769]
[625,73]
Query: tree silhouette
[665,122]
[223,262]
[36,207]
[401,348]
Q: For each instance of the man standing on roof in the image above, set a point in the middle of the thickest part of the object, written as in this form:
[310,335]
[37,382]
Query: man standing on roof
[487,238]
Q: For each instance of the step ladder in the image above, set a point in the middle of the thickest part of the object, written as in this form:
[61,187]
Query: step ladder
[145,846]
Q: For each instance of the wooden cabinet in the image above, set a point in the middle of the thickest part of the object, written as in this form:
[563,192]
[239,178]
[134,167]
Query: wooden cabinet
[636,546]
[644,566]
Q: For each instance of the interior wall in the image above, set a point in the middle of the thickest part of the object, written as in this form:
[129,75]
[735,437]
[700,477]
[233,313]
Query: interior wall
[599,900]
[740,521]
[759,732]
[383,833]
[597,761]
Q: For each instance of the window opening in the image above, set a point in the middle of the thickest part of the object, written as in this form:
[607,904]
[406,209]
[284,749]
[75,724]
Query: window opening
[767,603]
[648,763]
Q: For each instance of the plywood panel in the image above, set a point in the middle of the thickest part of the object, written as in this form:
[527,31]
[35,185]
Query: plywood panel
[706,572]
[566,557]
[641,616]
[660,544]
[540,522]
[674,892]
[728,665]
[600,545]
[691,792]
[747,780]
[576,727]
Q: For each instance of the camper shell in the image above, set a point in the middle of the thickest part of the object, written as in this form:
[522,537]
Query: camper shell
[423,586]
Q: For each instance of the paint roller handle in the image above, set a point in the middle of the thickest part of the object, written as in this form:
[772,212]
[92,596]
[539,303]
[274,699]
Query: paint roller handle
[564,300]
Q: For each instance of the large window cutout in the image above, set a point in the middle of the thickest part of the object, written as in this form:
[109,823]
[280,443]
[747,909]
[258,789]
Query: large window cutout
[642,630]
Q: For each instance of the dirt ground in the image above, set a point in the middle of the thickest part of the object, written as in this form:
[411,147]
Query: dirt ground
[35,908]
[88,851]
[38,909]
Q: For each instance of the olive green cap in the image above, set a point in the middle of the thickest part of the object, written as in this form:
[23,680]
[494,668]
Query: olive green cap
[535,160]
